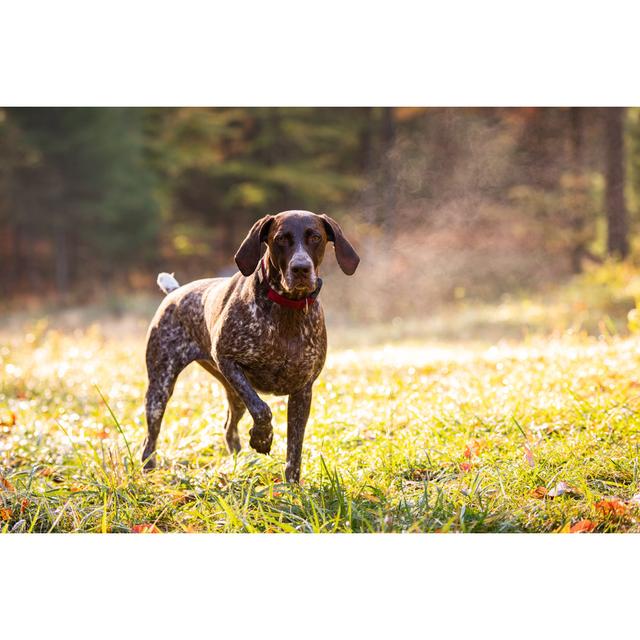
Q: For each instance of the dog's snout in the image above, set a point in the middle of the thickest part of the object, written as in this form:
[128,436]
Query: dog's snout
[301,269]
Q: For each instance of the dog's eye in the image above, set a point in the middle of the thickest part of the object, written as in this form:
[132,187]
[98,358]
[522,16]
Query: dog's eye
[314,238]
[281,240]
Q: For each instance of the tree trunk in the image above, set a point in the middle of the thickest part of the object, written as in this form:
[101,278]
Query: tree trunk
[617,223]
[578,188]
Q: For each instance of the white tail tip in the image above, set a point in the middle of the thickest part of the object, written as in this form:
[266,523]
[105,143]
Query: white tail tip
[167,282]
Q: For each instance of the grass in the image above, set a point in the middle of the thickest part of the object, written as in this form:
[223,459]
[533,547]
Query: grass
[408,437]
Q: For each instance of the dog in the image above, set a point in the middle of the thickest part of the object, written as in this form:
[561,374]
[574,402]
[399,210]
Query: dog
[261,330]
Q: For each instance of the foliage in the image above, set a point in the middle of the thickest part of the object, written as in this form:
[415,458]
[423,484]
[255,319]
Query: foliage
[112,195]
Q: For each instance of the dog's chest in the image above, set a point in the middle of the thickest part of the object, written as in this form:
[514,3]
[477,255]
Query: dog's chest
[280,352]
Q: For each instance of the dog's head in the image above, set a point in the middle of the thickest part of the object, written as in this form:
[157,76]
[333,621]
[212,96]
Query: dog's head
[296,242]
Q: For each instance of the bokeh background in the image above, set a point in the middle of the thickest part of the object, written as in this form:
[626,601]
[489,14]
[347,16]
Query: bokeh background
[469,221]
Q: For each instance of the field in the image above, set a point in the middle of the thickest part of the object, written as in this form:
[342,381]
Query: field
[530,435]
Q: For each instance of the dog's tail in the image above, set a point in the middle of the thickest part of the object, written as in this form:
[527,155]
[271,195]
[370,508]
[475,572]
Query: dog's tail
[167,282]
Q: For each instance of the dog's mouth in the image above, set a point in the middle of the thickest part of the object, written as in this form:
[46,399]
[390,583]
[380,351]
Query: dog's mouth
[300,287]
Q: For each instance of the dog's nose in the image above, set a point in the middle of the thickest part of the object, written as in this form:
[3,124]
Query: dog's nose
[301,269]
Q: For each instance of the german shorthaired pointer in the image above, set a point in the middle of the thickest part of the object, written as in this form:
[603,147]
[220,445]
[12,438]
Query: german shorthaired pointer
[259,330]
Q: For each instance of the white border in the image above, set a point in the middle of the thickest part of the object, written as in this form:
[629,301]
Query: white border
[275,586]
[338,52]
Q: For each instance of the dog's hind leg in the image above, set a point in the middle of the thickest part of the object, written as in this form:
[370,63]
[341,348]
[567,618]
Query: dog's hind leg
[167,355]
[158,393]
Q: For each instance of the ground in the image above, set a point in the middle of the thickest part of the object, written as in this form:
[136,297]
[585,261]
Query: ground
[538,434]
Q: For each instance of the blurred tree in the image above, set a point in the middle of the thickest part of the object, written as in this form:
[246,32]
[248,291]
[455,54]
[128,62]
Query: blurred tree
[86,189]
[113,193]
[617,224]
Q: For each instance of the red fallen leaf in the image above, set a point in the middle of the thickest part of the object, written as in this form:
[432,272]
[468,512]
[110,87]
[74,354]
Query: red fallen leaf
[145,528]
[474,448]
[612,507]
[6,484]
[23,505]
[5,514]
[466,466]
[539,493]
[583,526]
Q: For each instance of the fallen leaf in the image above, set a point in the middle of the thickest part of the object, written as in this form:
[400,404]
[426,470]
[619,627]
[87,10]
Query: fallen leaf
[145,528]
[528,456]
[583,526]
[103,435]
[561,488]
[6,484]
[23,505]
[48,472]
[420,475]
[611,507]
[466,466]
[8,420]
[5,514]
[474,448]
[539,493]
[181,497]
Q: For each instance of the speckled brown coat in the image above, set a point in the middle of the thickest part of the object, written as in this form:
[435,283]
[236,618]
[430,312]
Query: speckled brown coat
[247,341]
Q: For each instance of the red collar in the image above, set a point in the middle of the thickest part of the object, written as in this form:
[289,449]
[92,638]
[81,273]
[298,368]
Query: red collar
[274,296]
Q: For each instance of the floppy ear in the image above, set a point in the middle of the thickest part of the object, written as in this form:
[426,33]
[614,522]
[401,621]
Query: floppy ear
[346,255]
[248,254]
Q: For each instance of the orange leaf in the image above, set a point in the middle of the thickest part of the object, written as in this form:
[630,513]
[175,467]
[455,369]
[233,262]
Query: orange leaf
[612,507]
[103,435]
[467,452]
[9,421]
[583,526]
[23,505]
[6,484]
[145,528]
[5,514]
[539,493]
[465,466]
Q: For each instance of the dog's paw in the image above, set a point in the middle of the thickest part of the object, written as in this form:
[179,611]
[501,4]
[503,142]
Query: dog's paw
[261,438]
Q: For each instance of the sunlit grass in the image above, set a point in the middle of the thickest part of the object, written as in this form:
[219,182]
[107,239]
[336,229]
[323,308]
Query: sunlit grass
[412,437]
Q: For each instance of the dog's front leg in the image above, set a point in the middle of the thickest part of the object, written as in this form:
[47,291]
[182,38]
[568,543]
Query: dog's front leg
[262,431]
[297,416]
